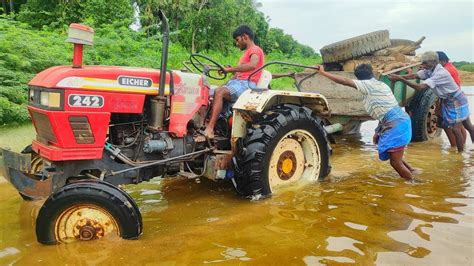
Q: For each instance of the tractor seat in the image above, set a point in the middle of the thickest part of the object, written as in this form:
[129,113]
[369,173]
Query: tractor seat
[264,80]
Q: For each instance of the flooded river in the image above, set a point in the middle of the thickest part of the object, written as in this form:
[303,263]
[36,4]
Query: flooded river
[362,214]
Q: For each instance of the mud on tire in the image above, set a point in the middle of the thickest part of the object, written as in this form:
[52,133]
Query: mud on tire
[272,151]
[355,47]
[87,210]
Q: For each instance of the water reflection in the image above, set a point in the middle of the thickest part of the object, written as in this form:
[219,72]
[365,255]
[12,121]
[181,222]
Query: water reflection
[364,214]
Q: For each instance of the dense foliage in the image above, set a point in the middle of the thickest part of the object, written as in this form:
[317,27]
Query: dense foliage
[25,51]
[32,34]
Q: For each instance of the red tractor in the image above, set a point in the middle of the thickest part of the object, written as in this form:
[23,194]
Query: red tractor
[102,126]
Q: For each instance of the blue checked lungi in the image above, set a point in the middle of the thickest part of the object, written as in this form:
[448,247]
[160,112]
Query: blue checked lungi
[237,87]
[394,132]
[454,109]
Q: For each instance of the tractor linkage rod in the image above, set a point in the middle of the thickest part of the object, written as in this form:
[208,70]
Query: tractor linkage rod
[184,156]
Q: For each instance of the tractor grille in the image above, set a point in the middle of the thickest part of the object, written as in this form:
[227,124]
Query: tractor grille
[81,129]
[43,127]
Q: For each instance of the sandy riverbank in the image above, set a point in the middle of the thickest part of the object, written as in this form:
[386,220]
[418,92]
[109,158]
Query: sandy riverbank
[467,78]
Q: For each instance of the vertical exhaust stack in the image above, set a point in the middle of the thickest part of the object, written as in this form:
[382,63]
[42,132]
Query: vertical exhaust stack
[164,52]
[159,102]
[79,35]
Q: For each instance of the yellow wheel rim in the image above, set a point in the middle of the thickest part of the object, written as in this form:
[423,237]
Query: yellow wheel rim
[296,156]
[85,222]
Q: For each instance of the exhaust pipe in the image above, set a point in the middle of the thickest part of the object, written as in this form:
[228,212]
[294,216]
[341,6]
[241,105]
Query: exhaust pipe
[79,35]
[164,52]
[159,102]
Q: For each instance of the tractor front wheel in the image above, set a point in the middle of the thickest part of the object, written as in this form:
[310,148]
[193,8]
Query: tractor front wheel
[87,210]
[287,145]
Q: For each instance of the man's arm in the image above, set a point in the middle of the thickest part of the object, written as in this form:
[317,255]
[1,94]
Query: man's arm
[416,86]
[409,76]
[252,65]
[336,78]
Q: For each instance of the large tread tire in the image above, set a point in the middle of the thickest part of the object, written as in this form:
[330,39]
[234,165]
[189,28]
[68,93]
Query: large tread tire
[403,42]
[423,116]
[262,138]
[355,47]
[114,201]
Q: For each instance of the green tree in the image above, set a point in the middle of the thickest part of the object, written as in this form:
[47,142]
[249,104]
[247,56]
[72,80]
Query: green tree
[56,13]
[11,6]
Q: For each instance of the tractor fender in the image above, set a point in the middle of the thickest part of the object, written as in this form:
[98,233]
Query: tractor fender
[261,100]
[258,101]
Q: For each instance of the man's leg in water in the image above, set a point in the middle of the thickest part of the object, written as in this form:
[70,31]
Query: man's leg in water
[408,166]
[221,94]
[458,135]
[396,161]
[452,138]
[469,127]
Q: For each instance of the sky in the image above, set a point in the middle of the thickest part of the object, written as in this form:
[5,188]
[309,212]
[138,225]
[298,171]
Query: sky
[447,25]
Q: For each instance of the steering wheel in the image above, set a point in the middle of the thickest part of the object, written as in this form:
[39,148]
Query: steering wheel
[209,66]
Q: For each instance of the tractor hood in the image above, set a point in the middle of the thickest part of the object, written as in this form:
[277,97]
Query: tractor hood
[105,78]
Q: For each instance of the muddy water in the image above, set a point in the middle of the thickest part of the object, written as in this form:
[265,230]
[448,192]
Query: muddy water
[363,214]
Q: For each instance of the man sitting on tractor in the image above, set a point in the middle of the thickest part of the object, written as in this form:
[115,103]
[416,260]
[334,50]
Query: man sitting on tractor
[252,59]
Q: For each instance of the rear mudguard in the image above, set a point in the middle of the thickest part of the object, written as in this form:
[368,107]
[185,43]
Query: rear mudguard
[14,167]
[258,101]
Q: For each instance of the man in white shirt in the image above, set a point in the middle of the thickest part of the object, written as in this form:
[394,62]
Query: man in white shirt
[454,104]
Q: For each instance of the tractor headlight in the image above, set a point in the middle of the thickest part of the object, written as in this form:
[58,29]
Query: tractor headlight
[46,98]
[31,95]
[50,99]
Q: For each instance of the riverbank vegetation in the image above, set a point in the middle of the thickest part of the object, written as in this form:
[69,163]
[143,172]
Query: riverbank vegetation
[127,33]
[33,34]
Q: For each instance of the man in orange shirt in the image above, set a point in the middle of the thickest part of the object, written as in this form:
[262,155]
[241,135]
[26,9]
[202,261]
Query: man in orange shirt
[444,61]
[252,59]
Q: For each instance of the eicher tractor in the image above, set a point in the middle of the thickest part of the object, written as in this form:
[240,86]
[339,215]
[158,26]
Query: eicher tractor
[98,127]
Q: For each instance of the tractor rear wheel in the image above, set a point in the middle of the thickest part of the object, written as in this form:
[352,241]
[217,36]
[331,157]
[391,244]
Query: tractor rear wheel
[87,210]
[286,145]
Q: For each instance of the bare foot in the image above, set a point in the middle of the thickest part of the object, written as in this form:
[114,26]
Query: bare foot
[209,133]
[204,136]
[415,181]
[199,138]
[416,171]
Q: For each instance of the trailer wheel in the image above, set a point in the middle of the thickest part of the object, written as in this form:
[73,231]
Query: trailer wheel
[87,210]
[424,121]
[286,145]
[355,47]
